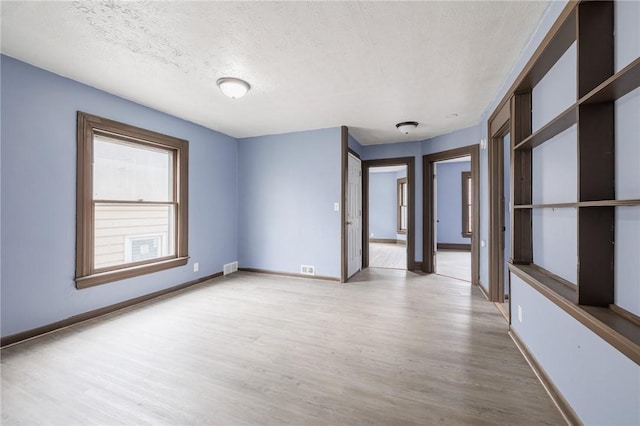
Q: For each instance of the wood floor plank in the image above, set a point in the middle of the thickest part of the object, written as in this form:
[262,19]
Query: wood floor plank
[388,348]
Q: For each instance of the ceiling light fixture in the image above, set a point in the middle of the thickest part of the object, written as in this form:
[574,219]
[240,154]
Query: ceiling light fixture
[233,87]
[407,127]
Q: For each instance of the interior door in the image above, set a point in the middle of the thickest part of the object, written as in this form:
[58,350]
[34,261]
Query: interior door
[354,216]
[435,218]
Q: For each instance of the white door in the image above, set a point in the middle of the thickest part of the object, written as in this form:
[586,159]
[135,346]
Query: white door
[354,216]
[435,218]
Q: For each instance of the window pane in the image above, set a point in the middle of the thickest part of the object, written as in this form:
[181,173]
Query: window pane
[404,194]
[469,217]
[131,172]
[126,233]
[403,217]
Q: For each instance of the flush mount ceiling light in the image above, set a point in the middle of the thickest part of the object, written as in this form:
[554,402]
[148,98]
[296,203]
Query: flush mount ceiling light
[407,127]
[233,87]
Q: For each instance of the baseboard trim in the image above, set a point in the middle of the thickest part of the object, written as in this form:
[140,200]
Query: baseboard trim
[289,274]
[452,246]
[388,241]
[483,291]
[58,325]
[561,404]
[504,313]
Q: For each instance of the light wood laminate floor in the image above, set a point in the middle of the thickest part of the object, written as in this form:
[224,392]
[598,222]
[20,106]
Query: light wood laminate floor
[454,264]
[387,255]
[388,348]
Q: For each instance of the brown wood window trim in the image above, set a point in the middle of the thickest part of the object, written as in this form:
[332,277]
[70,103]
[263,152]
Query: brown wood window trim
[466,204]
[402,204]
[88,126]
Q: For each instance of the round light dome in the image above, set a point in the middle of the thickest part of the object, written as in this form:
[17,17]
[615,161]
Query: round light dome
[233,87]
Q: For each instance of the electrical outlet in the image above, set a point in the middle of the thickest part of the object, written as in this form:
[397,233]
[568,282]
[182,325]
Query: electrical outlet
[336,207]
[196,267]
[519,313]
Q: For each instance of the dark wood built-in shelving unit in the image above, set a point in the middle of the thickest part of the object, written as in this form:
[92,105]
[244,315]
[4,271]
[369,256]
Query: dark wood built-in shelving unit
[590,24]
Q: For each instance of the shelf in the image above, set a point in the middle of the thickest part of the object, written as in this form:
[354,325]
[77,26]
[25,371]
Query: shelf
[552,47]
[601,203]
[609,203]
[553,128]
[618,330]
[546,206]
[616,86]
[547,283]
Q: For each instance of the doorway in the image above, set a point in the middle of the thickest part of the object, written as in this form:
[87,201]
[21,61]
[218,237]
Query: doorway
[499,154]
[430,242]
[354,215]
[453,205]
[403,189]
[388,214]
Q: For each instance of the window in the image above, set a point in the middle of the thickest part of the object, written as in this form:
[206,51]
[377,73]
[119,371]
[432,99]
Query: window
[131,201]
[402,206]
[466,204]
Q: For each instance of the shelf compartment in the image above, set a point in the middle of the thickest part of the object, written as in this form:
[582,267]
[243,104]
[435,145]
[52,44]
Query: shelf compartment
[600,203]
[620,332]
[546,282]
[624,81]
[562,122]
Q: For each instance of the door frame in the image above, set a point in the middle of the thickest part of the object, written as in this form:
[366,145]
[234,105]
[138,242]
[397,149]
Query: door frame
[499,125]
[428,161]
[411,175]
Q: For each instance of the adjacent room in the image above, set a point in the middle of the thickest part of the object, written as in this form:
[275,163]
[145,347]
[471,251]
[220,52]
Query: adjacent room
[327,213]
[388,218]
[453,197]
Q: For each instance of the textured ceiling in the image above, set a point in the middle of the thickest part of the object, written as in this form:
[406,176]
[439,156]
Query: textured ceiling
[367,65]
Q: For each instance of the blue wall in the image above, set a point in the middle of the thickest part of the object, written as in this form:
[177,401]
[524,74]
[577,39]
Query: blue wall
[449,203]
[39,197]
[601,384]
[383,196]
[288,185]
[354,145]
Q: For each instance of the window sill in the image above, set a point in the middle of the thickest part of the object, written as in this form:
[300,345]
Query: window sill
[619,331]
[121,274]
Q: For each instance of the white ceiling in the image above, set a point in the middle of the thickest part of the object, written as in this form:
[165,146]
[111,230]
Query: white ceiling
[367,65]
[386,169]
[455,160]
